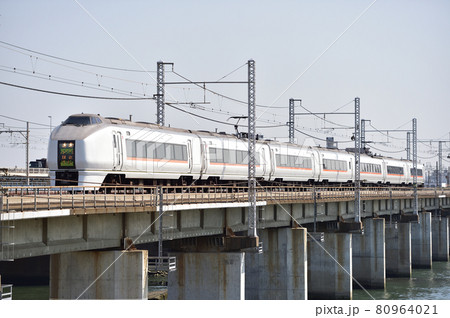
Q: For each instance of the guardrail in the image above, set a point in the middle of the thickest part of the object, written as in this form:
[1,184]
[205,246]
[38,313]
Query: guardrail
[23,171]
[6,292]
[54,198]
[165,263]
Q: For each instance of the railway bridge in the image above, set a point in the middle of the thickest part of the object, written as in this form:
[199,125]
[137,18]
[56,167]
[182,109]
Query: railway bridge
[90,233]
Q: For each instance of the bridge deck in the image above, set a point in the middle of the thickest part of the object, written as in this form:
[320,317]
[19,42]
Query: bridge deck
[145,199]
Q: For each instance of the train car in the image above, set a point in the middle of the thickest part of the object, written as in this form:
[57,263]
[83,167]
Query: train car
[372,170]
[335,166]
[410,173]
[226,158]
[89,150]
[396,171]
[93,151]
[294,163]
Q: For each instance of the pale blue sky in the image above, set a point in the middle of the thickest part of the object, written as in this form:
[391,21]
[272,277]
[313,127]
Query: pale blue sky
[395,58]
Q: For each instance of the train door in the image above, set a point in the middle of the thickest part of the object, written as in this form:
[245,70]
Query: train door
[117,151]
[263,161]
[271,158]
[204,161]
[190,159]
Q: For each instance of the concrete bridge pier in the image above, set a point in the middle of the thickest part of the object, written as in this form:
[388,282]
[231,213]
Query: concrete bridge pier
[99,275]
[330,267]
[368,257]
[208,276]
[398,250]
[421,241]
[280,272]
[440,239]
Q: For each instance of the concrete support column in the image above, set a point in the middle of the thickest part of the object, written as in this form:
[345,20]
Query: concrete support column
[440,242]
[368,257]
[398,250]
[421,242]
[208,276]
[330,267]
[114,275]
[280,272]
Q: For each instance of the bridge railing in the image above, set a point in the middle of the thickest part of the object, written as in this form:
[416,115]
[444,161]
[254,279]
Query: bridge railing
[52,198]
[6,292]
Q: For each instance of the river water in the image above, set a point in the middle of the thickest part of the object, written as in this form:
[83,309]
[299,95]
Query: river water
[425,284]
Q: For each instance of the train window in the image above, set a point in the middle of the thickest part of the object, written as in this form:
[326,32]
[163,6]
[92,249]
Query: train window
[170,152]
[291,161]
[131,148]
[160,151]
[141,151]
[77,121]
[178,152]
[419,172]
[337,165]
[226,155]
[395,170]
[233,156]
[213,154]
[150,150]
[184,152]
[239,156]
[244,155]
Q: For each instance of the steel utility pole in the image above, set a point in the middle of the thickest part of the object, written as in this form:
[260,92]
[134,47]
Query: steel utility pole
[27,164]
[414,146]
[251,150]
[291,121]
[160,120]
[160,92]
[357,161]
[439,178]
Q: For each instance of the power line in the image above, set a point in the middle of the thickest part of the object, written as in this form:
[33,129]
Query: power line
[76,95]
[221,95]
[63,80]
[24,121]
[217,121]
[75,62]
[387,150]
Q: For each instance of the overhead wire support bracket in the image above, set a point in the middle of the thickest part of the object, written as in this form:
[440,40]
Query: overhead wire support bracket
[252,233]
[357,150]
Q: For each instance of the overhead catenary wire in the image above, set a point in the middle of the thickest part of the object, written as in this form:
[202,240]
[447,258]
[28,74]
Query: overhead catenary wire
[36,59]
[222,95]
[75,95]
[63,80]
[215,120]
[75,62]
[24,121]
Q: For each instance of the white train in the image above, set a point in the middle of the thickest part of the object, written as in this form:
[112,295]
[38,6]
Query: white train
[90,150]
